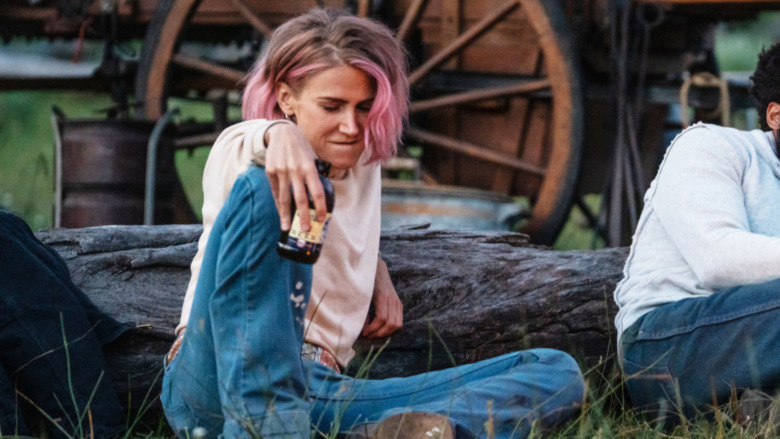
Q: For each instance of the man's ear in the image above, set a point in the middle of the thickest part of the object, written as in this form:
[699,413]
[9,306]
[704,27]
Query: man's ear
[286,98]
[773,116]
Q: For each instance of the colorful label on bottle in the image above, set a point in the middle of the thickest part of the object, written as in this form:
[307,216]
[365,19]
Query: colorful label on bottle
[315,235]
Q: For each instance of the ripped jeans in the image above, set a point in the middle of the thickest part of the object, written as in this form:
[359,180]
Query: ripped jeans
[683,356]
[239,373]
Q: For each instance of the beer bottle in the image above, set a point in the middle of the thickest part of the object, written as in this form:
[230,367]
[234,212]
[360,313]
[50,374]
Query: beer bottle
[301,246]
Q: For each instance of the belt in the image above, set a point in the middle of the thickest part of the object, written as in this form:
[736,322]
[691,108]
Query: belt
[319,355]
[309,351]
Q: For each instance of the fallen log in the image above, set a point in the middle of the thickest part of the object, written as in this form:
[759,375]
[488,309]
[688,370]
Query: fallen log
[467,296]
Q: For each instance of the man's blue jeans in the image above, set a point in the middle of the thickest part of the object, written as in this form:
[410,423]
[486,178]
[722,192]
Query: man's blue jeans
[686,356]
[239,370]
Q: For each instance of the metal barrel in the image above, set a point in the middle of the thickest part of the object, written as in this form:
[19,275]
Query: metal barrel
[103,172]
[407,203]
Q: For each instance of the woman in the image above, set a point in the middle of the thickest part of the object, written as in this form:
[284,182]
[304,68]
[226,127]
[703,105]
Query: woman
[330,86]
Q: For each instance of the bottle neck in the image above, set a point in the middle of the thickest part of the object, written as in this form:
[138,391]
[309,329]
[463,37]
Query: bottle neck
[323,167]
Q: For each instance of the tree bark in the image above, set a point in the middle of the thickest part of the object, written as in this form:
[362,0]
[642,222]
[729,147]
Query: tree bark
[467,296]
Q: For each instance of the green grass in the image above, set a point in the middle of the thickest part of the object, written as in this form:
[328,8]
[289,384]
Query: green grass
[607,413]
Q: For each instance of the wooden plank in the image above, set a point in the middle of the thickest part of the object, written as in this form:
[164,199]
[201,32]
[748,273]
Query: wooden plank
[411,17]
[27,13]
[363,8]
[518,117]
[478,95]
[472,150]
[535,145]
[250,16]
[462,41]
[450,28]
[212,69]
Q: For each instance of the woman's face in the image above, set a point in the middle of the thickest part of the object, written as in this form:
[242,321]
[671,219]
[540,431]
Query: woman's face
[331,109]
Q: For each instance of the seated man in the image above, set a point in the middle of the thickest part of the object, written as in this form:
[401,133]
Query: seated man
[50,344]
[700,298]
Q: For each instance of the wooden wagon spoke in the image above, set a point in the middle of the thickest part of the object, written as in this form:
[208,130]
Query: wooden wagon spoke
[260,25]
[479,95]
[411,18]
[363,8]
[207,67]
[473,150]
[463,40]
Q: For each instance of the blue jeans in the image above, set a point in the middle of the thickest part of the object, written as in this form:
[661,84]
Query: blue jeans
[685,356]
[40,310]
[239,371]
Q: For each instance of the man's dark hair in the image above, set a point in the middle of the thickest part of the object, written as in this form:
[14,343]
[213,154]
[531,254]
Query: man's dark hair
[766,81]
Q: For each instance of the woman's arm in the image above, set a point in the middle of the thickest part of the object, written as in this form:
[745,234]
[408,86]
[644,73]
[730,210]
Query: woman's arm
[388,309]
[235,149]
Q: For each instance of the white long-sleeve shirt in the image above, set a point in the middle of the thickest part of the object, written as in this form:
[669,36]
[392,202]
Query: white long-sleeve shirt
[711,221]
[343,277]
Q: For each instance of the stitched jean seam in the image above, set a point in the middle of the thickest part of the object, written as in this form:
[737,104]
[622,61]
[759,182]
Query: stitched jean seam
[710,321]
[402,392]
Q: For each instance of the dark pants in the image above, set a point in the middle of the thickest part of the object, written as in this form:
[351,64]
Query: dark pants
[51,338]
[684,357]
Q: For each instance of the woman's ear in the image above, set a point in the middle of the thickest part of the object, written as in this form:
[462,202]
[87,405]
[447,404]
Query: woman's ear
[285,98]
[773,116]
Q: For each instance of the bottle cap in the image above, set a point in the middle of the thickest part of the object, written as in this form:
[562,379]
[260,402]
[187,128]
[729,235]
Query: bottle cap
[323,167]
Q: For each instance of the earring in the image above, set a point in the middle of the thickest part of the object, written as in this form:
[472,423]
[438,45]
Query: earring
[286,116]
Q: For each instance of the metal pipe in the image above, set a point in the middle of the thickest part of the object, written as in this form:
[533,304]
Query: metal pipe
[56,116]
[151,165]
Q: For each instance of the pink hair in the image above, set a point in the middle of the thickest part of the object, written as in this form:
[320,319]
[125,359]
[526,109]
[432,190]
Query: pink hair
[321,39]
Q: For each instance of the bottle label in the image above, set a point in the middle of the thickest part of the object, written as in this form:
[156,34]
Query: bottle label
[314,236]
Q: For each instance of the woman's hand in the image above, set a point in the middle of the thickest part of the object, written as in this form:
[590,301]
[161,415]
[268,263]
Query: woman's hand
[289,161]
[388,309]
[175,346]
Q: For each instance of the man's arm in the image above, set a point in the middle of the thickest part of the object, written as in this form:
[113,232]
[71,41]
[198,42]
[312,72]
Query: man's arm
[700,202]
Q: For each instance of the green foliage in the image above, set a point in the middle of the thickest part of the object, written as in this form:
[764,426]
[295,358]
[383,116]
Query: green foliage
[27,148]
[738,43]
[578,233]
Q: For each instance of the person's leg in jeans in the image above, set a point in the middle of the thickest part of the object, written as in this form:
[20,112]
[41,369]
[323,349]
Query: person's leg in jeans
[50,346]
[540,386]
[695,351]
[238,370]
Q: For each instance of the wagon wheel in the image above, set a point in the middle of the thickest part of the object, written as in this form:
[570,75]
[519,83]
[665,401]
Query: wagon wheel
[497,103]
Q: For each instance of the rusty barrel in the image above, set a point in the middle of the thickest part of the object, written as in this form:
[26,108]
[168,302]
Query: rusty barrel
[410,203]
[104,169]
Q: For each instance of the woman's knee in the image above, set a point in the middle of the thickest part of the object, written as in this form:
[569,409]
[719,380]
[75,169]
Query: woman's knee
[566,372]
